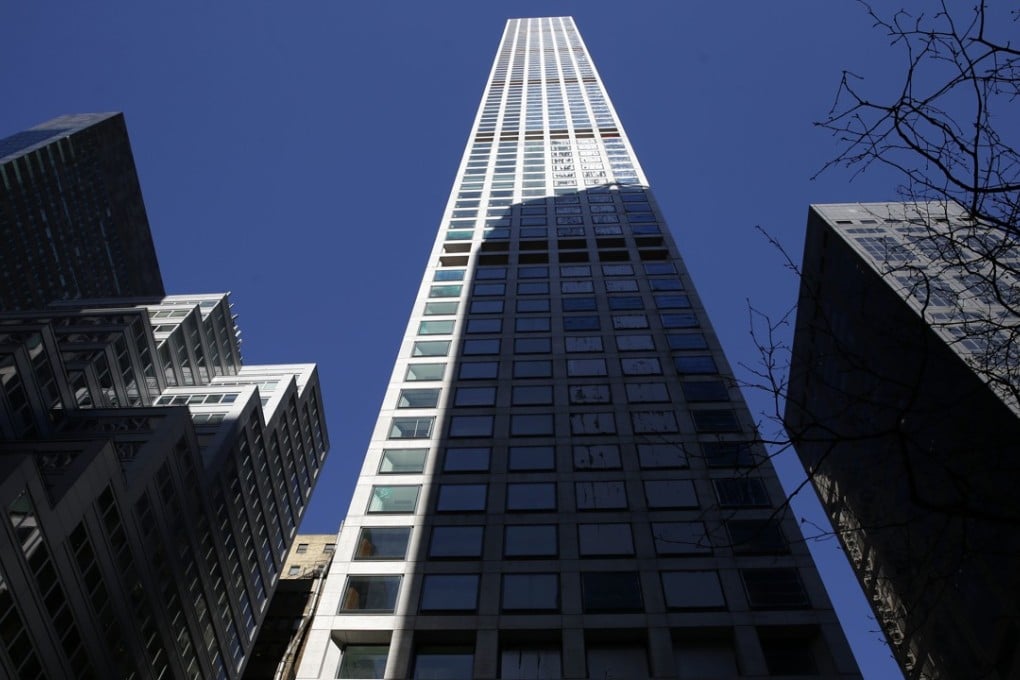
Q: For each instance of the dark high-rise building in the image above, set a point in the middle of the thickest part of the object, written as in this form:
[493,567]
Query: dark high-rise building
[902,404]
[72,220]
[564,480]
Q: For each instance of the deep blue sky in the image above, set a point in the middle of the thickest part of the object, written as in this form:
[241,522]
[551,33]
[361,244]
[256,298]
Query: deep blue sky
[300,154]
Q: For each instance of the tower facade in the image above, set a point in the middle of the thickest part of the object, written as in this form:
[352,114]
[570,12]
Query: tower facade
[903,404]
[72,219]
[563,481]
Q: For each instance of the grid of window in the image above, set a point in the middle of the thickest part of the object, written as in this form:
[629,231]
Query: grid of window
[559,374]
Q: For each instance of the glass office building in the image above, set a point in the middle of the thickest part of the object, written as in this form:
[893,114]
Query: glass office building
[563,481]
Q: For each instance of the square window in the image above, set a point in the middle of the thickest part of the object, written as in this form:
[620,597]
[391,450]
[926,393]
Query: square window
[531,592]
[411,428]
[530,458]
[484,325]
[432,663]
[700,364]
[534,497]
[533,369]
[625,302]
[363,661]
[586,367]
[479,370]
[402,461]
[641,366]
[679,320]
[490,289]
[533,345]
[449,275]
[533,288]
[692,590]
[477,346]
[789,651]
[705,390]
[531,424]
[621,286]
[682,341]
[718,420]
[741,492]
[664,455]
[600,495]
[431,348]
[672,302]
[592,423]
[421,398]
[670,493]
[393,498]
[530,540]
[435,327]
[533,305]
[451,593]
[756,537]
[642,393]
[589,394]
[440,308]
[578,304]
[575,271]
[596,457]
[461,498]
[659,268]
[617,270]
[533,272]
[451,290]
[532,324]
[301,549]
[629,321]
[611,591]
[774,588]
[581,323]
[680,538]
[532,395]
[471,426]
[651,422]
[727,454]
[486,307]
[456,542]
[605,540]
[370,594]
[530,661]
[576,287]
[382,543]
[665,284]
[475,396]
[424,372]
[583,343]
[490,273]
[466,459]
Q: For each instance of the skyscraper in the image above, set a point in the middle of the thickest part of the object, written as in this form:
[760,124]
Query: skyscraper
[72,219]
[151,487]
[563,481]
[151,484]
[902,403]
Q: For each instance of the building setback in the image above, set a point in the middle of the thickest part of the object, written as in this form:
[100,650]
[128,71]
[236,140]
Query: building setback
[72,220]
[564,481]
[902,404]
[151,484]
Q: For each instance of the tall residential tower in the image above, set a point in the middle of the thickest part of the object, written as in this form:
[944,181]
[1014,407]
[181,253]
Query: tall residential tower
[563,481]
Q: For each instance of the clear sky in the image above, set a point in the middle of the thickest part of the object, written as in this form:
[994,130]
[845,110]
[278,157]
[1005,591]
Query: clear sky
[300,154]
